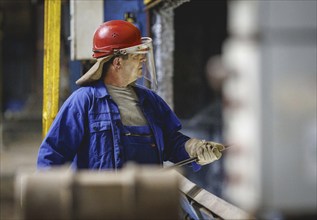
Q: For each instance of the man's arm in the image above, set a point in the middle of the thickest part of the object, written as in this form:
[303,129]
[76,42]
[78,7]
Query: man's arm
[65,134]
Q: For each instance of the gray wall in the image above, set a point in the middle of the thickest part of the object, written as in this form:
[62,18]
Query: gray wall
[288,72]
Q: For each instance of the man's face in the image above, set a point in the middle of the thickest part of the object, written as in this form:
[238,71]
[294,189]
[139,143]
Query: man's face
[132,67]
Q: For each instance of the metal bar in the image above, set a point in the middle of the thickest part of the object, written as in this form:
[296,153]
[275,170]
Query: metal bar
[184,162]
[212,203]
[51,62]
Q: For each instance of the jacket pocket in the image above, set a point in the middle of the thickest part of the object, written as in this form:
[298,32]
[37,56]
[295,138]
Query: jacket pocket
[99,126]
[100,138]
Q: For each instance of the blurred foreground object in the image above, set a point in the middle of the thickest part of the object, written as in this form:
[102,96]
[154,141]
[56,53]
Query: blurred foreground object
[270,111]
[132,193]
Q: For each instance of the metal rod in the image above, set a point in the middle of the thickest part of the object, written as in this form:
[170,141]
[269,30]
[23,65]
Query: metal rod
[184,162]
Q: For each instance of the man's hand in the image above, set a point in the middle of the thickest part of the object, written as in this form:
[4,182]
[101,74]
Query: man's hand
[206,151]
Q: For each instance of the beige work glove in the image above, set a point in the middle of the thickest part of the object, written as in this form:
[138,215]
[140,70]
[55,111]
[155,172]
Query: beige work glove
[206,151]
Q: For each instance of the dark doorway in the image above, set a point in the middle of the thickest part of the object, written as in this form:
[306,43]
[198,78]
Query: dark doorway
[200,29]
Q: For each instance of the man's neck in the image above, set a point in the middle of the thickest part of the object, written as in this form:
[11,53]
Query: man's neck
[114,79]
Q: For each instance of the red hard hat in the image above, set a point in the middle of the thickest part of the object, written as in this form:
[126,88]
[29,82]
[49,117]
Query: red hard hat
[115,34]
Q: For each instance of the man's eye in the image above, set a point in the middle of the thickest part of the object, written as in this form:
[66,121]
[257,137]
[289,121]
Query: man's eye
[135,56]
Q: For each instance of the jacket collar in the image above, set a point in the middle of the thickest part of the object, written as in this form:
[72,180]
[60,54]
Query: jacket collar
[100,89]
[140,91]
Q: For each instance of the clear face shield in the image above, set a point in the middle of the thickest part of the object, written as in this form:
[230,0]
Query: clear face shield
[145,52]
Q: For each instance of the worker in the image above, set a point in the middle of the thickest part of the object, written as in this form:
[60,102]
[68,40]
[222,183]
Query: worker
[113,118]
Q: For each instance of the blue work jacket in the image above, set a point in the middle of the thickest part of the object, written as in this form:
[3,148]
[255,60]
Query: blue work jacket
[86,132]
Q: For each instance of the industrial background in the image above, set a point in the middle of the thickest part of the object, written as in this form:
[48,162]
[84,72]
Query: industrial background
[240,72]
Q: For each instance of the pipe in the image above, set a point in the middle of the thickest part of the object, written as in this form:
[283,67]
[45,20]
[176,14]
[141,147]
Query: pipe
[51,65]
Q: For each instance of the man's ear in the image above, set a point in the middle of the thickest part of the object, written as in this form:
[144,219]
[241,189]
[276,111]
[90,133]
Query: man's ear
[116,62]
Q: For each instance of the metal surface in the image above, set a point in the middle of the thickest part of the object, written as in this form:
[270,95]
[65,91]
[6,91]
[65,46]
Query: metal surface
[51,66]
[204,203]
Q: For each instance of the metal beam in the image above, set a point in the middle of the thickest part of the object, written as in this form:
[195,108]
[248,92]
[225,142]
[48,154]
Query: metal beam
[208,202]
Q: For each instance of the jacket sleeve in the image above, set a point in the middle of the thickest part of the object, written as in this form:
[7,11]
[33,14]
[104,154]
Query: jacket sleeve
[174,140]
[65,134]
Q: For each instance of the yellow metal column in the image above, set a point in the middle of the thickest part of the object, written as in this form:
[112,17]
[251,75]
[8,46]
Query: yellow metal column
[51,66]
